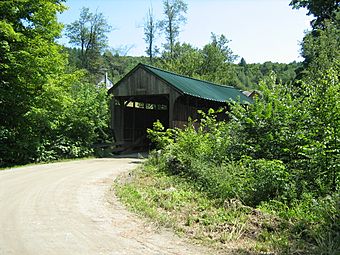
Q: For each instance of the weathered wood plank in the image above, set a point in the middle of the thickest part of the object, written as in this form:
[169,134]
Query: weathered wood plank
[141,82]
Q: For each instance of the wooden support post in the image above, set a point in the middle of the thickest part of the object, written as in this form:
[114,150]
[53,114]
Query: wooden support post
[133,122]
[188,113]
[172,99]
[171,111]
[120,125]
[112,108]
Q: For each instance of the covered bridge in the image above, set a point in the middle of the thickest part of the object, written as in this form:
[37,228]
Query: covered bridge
[147,94]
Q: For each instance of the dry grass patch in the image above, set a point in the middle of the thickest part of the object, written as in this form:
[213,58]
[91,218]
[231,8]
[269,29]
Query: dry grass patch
[169,201]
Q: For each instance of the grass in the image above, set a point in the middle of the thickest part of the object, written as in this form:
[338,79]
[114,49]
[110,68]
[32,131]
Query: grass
[171,202]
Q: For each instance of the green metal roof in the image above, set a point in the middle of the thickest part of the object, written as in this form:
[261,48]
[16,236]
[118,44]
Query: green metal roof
[199,88]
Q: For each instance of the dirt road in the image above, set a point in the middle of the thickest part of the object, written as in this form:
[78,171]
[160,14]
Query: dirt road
[63,209]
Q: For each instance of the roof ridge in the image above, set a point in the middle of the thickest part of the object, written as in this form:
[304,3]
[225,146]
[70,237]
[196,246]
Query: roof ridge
[188,77]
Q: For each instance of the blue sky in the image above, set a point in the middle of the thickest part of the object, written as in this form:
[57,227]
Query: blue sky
[259,30]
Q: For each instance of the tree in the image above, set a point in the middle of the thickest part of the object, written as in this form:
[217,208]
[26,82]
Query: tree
[29,57]
[243,62]
[321,9]
[89,33]
[186,60]
[321,46]
[47,111]
[321,50]
[150,30]
[217,61]
[174,18]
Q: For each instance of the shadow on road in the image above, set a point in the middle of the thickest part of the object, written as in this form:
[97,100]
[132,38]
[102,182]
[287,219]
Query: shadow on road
[133,155]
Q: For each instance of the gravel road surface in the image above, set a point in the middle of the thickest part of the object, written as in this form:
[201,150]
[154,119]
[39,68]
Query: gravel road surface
[67,209]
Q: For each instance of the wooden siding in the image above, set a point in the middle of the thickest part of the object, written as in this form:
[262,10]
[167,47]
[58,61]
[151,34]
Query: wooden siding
[131,117]
[117,121]
[187,106]
[139,83]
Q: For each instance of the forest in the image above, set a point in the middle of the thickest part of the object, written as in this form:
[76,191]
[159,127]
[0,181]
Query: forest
[278,156]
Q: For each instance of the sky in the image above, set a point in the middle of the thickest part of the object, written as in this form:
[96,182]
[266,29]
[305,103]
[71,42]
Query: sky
[258,30]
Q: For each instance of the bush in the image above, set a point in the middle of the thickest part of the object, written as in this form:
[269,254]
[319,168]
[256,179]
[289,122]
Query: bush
[191,153]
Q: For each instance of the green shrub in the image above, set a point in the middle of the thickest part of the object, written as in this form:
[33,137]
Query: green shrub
[159,136]
[267,180]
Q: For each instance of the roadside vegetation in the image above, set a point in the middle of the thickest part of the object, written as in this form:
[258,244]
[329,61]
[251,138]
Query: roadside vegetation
[170,201]
[219,185]
[266,180]
[254,183]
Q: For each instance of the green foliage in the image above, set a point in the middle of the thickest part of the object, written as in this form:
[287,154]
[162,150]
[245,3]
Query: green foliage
[268,179]
[254,73]
[186,60]
[321,50]
[160,137]
[321,9]
[89,33]
[313,220]
[322,149]
[214,63]
[320,91]
[201,155]
[28,57]
[117,65]
[217,59]
[64,121]
[46,112]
